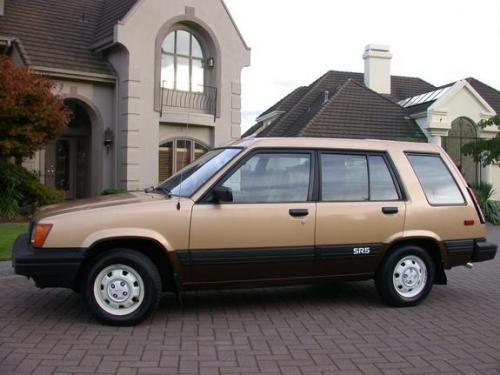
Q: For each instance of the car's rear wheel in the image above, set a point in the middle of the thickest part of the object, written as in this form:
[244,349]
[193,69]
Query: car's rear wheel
[406,276]
[122,287]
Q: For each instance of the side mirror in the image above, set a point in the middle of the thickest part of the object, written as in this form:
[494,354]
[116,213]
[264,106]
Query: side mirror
[222,194]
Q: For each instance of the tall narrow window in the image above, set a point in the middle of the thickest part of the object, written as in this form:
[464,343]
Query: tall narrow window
[177,154]
[182,65]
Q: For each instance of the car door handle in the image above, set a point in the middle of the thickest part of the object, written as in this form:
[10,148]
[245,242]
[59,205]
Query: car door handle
[390,210]
[298,212]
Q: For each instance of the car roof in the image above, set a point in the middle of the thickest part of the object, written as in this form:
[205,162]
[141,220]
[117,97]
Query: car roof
[337,143]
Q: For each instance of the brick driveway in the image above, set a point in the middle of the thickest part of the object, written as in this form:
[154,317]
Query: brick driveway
[339,328]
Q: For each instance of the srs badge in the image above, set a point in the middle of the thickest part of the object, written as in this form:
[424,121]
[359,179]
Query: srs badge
[361,251]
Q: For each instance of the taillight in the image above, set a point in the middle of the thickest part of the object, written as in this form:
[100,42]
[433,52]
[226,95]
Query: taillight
[476,204]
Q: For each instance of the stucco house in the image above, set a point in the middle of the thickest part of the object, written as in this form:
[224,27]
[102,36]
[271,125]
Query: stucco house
[153,84]
[375,104]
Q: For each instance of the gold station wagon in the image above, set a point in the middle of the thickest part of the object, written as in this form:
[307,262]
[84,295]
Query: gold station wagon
[265,212]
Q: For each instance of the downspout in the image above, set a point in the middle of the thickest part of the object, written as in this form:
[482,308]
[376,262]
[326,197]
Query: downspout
[8,45]
[117,130]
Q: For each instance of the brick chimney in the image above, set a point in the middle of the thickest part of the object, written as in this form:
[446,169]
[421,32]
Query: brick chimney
[378,68]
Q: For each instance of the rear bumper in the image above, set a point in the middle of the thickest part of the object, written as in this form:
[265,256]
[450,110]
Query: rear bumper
[483,251]
[47,267]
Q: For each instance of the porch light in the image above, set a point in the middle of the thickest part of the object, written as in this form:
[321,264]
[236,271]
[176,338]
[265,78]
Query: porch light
[108,138]
[210,62]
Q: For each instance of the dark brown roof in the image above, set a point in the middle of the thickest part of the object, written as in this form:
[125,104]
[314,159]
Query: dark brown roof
[59,34]
[358,112]
[354,111]
[488,93]
[287,102]
[253,129]
[112,12]
[298,116]
[283,105]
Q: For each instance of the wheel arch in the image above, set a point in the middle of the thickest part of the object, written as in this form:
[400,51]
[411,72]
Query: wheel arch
[431,245]
[149,247]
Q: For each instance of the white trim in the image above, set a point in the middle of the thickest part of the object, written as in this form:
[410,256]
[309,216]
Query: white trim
[194,119]
[74,74]
[269,115]
[459,85]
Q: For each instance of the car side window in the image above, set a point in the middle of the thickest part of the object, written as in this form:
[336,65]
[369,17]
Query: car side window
[382,186]
[272,177]
[436,180]
[356,177]
[344,177]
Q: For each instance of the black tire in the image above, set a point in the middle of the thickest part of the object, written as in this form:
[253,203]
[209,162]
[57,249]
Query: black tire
[138,263]
[387,276]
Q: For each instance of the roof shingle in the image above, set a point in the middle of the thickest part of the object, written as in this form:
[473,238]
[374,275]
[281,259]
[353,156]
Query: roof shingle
[112,12]
[488,93]
[299,115]
[358,112]
[58,34]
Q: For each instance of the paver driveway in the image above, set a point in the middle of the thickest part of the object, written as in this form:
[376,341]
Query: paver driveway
[336,328]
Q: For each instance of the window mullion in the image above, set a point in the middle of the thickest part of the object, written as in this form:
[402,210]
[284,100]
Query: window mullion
[190,62]
[175,60]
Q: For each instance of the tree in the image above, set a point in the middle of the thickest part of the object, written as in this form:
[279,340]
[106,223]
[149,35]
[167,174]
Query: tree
[31,115]
[485,151]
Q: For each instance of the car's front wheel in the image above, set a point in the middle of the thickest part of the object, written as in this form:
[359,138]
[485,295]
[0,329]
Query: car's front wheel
[406,276]
[122,287]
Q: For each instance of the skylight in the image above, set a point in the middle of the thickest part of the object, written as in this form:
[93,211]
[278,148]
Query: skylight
[424,98]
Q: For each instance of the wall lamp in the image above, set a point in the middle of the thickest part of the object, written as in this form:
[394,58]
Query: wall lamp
[210,62]
[108,138]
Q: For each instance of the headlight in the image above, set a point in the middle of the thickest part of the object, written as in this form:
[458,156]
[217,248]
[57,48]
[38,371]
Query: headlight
[39,234]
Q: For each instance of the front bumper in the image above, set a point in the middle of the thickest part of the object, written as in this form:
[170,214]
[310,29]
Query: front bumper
[483,251]
[48,267]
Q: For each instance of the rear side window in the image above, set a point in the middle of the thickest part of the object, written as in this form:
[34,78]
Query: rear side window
[356,177]
[382,186]
[437,182]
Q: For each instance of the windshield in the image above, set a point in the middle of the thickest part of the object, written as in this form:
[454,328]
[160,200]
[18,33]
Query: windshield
[189,179]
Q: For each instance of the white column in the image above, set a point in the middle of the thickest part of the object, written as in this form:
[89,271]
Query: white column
[486,175]
[435,139]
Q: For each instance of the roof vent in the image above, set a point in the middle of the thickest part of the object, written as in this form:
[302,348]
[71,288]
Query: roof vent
[326,97]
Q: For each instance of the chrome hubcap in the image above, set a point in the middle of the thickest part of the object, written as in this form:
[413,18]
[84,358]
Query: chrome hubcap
[410,276]
[119,289]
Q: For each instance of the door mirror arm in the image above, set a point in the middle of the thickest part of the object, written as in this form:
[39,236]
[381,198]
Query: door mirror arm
[222,194]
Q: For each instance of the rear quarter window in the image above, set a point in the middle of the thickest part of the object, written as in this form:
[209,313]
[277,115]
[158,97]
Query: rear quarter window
[436,180]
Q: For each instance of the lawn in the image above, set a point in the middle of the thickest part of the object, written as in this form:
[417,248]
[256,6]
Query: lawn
[8,234]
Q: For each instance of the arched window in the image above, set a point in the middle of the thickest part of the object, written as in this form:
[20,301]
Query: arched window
[176,154]
[463,131]
[182,62]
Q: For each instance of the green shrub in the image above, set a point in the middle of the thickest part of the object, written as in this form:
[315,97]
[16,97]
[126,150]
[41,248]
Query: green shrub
[113,191]
[492,212]
[21,188]
[483,192]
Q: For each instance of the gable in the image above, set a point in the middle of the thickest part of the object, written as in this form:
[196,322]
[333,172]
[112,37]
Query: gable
[462,100]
